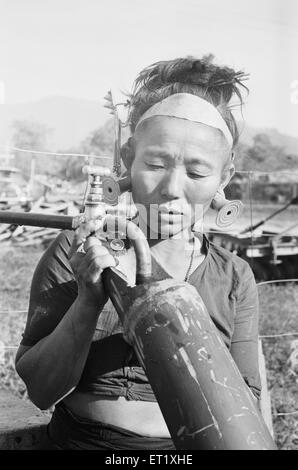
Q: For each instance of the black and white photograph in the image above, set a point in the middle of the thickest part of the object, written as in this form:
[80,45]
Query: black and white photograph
[148,227]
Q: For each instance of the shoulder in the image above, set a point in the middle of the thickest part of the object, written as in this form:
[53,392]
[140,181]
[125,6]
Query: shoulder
[62,242]
[53,290]
[54,263]
[224,256]
[232,265]
[237,275]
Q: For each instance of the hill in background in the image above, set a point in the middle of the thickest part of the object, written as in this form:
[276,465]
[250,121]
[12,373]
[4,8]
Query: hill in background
[71,121]
[289,143]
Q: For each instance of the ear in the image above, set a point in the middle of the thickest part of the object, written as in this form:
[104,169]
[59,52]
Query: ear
[127,153]
[228,174]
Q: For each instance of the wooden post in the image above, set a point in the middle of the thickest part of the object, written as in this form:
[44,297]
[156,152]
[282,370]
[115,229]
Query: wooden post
[32,175]
[265,394]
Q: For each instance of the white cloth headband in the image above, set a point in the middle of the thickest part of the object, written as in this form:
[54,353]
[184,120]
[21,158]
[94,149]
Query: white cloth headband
[190,107]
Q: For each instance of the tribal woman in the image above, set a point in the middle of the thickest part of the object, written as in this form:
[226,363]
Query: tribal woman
[73,356]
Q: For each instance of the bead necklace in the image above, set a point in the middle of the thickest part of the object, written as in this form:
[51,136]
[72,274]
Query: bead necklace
[187,275]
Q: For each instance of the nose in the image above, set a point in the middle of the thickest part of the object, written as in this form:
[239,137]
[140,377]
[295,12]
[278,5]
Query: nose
[172,184]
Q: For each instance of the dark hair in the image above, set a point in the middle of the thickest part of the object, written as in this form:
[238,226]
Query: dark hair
[199,77]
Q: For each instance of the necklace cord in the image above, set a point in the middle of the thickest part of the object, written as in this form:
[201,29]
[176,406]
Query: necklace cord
[187,275]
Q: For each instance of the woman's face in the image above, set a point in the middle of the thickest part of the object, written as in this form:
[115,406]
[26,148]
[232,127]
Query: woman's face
[177,169]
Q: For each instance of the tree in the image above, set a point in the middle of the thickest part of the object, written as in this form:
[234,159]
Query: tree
[261,150]
[100,143]
[262,155]
[31,135]
[101,140]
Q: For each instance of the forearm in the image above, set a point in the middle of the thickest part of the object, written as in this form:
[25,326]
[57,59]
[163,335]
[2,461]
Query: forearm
[245,355]
[54,365]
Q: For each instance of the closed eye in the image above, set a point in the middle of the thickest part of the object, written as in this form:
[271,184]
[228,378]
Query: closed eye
[196,175]
[154,166]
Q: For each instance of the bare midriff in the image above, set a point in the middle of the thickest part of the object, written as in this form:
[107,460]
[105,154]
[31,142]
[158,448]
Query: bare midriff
[142,417]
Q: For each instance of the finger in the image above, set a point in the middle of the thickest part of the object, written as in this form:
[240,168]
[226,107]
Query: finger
[95,250]
[86,228]
[103,257]
[92,242]
[80,261]
[99,263]
[75,260]
[92,274]
[96,264]
[107,261]
[81,234]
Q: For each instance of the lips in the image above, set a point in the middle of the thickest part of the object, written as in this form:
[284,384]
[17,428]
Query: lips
[171,215]
[170,211]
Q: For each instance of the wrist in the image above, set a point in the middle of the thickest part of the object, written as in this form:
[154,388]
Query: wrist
[86,298]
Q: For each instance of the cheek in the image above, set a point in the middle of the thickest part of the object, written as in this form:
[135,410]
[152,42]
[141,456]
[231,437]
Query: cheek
[202,191]
[144,182]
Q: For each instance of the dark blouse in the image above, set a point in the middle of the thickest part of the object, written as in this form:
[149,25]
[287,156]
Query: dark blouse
[224,281]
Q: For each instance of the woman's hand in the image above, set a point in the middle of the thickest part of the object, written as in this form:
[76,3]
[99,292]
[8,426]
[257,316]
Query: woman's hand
[87,267]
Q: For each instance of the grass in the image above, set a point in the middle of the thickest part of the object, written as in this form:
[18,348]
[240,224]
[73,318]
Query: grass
[16,269]
[278,314]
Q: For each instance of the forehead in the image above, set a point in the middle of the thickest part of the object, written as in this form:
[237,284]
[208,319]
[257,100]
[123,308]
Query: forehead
[176,134]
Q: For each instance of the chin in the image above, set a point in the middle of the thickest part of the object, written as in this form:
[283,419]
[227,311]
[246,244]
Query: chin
[163,227]
[167,231]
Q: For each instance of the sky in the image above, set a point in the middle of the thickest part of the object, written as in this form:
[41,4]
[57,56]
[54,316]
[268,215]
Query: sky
[82,48]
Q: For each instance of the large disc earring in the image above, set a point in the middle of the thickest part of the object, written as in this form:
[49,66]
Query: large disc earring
[228,211]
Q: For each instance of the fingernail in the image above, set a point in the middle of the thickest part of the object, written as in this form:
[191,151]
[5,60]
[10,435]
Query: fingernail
[81,249]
